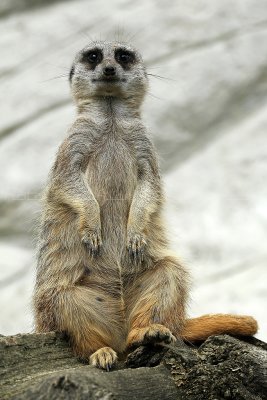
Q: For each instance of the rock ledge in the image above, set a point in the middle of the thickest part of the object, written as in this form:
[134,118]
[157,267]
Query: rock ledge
[42,366]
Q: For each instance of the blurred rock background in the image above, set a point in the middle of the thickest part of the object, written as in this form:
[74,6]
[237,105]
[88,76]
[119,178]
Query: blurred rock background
[207,115]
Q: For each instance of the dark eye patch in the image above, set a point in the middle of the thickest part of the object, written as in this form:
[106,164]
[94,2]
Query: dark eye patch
[124,57]
[93,57]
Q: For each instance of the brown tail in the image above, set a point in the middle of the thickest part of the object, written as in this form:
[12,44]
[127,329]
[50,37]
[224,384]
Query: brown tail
[214,324]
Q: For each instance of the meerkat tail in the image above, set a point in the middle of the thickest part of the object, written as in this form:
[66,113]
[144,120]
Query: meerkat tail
[201,328]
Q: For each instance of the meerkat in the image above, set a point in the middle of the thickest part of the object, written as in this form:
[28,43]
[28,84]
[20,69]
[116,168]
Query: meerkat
[105,274]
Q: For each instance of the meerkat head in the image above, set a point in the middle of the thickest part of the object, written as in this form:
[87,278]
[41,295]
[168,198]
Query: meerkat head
[106,69]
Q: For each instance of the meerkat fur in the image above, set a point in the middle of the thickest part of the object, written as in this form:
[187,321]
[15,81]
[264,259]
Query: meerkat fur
[105,274]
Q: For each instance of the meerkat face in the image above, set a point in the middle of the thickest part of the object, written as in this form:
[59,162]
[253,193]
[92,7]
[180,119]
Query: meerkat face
[108,69]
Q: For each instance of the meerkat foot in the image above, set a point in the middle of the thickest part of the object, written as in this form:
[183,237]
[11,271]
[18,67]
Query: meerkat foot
[136,247]
[92,241]
[104,358]
[154,334]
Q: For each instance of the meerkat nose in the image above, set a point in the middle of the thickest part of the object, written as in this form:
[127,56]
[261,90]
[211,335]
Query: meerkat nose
[109,71]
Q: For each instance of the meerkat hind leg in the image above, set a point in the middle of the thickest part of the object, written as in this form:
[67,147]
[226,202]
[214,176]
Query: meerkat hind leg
[155,304]
[93,322]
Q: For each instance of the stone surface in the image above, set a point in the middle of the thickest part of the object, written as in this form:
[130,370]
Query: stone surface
[208,120]
[42,366]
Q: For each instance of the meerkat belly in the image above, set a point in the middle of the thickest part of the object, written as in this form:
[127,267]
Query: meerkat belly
[112,177]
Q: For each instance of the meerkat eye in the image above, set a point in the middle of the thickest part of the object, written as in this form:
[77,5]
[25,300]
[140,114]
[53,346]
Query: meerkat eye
[93,56]
[124,56]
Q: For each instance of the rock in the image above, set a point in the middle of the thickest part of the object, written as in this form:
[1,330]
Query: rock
[42,366]
[207,119]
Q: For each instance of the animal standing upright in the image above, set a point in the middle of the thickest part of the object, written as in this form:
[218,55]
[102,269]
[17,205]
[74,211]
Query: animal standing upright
[105,275]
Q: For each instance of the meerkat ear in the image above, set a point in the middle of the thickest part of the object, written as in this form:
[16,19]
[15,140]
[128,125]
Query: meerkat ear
[71,73]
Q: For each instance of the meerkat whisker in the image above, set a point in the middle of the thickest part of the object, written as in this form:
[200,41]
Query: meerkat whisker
[161,77]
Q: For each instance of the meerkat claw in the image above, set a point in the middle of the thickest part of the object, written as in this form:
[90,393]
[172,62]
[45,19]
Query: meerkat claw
[136,248]
[104,358]
[93,243]
[156,334]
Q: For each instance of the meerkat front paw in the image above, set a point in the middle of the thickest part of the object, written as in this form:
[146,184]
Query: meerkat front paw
[92,240]
[136,244]
[153,334]
[104,358]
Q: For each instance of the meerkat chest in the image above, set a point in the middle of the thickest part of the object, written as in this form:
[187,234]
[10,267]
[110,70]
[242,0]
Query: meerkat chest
[112,168]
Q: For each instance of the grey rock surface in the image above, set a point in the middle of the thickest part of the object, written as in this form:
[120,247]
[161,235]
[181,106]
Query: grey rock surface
[208,120]
[42,366]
